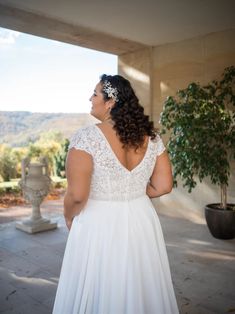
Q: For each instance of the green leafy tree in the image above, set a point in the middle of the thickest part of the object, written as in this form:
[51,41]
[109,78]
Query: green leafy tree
[18,154]
[60,159]
[7,163]
[45,146]
[34,150]
[201,123]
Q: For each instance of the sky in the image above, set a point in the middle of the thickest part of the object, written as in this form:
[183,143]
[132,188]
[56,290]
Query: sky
[42,75]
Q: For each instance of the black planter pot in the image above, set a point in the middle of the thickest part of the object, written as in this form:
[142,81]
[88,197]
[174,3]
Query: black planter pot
[220,222]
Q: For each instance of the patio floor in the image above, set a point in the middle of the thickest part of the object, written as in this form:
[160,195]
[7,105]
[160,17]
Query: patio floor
[203,268]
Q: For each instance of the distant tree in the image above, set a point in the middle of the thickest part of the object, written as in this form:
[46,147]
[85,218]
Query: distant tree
[51,135]
[34,150]
[60,159]
[18,154]
[50,144]
[7,163]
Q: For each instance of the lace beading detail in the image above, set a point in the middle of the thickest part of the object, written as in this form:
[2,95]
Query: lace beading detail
[110,179]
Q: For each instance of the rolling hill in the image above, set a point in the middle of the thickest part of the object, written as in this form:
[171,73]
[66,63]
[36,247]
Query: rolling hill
[18,128]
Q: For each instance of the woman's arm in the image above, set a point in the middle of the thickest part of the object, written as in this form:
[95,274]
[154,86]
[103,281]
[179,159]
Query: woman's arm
[79,166]
[161,181]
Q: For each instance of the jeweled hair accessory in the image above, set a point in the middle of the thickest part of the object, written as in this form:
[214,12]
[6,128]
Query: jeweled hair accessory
[112,92]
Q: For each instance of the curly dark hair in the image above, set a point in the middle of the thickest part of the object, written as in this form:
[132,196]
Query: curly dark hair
[130,122]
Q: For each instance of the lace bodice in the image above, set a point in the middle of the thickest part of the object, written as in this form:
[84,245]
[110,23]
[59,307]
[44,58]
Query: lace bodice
[110,179]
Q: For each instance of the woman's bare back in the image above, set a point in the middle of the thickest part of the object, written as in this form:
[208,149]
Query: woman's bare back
[128,157]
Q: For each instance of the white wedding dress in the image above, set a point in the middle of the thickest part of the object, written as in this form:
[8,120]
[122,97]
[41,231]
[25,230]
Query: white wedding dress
[115,260]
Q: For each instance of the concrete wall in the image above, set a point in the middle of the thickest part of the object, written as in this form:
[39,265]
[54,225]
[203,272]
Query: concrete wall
[164,70]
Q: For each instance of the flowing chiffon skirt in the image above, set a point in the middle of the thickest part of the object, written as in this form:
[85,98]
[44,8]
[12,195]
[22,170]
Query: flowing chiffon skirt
[115,262]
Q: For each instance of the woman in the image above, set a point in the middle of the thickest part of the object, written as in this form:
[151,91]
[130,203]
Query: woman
[115,260]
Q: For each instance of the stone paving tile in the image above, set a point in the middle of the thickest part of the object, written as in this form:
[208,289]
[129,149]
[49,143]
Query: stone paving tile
[15,266]
[45,258]
[40,286]
[4,254]
[59,248]
[202,267]
[19,243]
[11,297]
[49,302]
[196,309]
[7,231]
[30,307]
[55,237]
[217,303]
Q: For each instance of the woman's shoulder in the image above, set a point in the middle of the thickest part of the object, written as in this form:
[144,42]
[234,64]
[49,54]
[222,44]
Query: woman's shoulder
[156,137]
[82,137]
[83,131]
[158,144]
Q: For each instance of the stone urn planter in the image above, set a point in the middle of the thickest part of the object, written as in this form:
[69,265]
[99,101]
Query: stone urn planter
[35,184]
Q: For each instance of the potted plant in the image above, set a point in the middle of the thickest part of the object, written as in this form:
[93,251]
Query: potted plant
[201,125]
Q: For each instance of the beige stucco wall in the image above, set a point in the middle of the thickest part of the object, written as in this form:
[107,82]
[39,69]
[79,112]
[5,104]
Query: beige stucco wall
[165,69]
[137,67]
[199,59]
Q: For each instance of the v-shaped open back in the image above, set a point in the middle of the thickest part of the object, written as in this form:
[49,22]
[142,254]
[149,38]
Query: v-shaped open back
[111,180]
[115,155]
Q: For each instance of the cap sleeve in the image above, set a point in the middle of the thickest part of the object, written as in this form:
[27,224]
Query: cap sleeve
[80,141]
[160,147]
